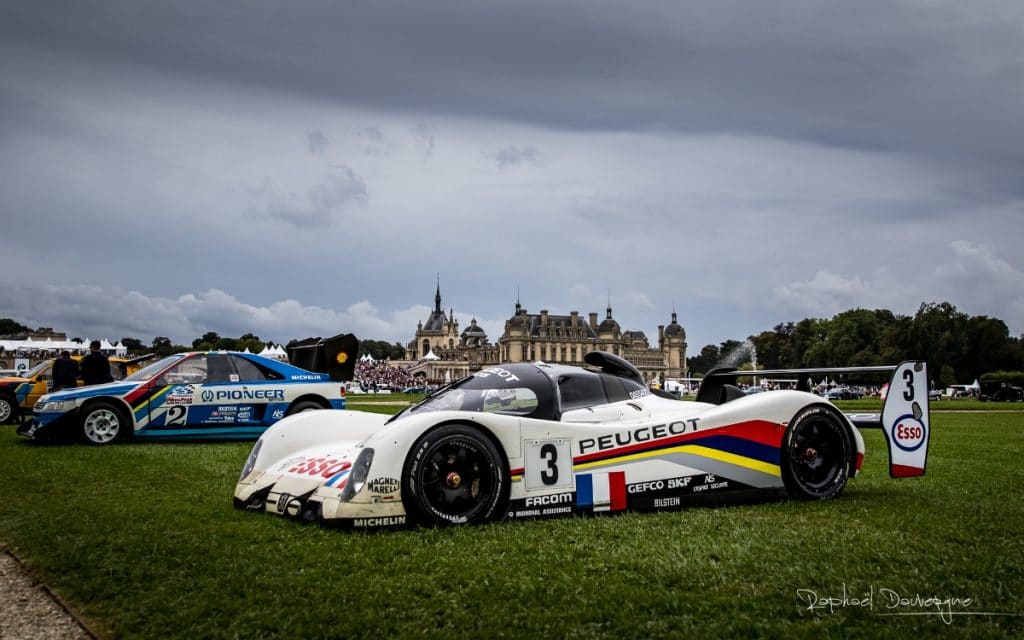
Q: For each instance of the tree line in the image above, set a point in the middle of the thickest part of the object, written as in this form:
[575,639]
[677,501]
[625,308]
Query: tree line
[211,341]
[958,348]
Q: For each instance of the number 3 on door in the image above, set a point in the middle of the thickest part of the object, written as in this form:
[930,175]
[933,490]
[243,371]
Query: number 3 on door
[548,464]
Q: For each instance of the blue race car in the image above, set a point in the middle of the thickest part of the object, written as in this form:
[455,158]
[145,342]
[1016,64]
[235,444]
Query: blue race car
[197,395]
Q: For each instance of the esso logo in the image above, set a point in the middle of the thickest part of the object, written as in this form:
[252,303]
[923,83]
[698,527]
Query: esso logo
[908,433]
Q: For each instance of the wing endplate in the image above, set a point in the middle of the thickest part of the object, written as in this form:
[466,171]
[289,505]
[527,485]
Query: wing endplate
[905,420]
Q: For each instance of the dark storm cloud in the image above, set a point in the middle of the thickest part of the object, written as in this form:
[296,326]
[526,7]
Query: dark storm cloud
[319,205]
[802,156]
[317,141]
[515,155]
[931,78]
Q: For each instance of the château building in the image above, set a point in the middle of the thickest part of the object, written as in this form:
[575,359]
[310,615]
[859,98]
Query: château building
[440,352]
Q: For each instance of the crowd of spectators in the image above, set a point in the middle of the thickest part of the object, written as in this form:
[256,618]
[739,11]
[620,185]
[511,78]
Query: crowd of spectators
[373,375]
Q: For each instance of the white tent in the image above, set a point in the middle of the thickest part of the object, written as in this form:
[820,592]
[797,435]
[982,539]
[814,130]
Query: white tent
[275,352]
[430,356]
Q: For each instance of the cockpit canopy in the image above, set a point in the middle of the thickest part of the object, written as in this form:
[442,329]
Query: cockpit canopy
[532,390]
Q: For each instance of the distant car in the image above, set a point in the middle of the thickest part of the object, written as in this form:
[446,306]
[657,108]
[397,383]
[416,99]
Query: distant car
[1000,391]
[535,440]
[842,393]
[960,391]
[935,394]
[19,393]
[197,395]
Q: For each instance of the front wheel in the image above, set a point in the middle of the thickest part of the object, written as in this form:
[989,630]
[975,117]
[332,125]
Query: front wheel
[454,475]
[8,409]
[102,423]
[816,455]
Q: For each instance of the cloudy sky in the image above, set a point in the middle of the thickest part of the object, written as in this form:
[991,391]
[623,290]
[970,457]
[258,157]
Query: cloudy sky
[305,168]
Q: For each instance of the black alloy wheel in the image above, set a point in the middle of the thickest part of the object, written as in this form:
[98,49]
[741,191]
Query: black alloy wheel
[817,453]
[455,475]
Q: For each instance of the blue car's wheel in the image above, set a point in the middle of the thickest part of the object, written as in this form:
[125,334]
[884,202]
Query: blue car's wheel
[305,405]
[454,475]
[816,455]
[102,423]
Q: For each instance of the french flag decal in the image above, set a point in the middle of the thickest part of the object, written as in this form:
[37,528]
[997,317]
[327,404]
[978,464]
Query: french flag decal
[601,491]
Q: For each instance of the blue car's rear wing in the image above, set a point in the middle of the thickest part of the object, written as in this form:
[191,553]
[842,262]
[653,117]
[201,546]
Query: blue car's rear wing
[904,418]
[335,356]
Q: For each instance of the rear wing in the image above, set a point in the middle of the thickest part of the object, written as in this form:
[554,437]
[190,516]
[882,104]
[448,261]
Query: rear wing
[335,356]
[904,420]
[132,365]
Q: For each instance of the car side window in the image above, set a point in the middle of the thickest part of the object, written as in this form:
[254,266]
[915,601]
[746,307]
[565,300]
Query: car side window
[580,390]
[619,389]
[613,388]
[189,371]
[248,371]
[219,369]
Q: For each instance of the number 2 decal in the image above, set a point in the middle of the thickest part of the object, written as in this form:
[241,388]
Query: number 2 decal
[176,415]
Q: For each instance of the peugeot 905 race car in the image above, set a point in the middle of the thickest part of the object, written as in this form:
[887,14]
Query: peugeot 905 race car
[534,440]
[197,395]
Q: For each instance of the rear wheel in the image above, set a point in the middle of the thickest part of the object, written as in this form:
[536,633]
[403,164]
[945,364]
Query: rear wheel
[816,455]
[454,475]
[102,423]
[305,405]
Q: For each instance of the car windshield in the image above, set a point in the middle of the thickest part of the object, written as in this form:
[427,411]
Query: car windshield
[149,371]
[34,371]
[514,400]
[519,389]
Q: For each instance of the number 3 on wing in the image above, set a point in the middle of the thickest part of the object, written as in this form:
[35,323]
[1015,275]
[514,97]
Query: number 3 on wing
[548,464]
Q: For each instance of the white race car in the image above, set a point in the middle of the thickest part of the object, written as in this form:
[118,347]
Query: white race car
[535,440]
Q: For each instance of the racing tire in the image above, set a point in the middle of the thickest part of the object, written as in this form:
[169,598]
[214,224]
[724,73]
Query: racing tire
[102,423]
[305,405]
[817,453]
[454,475]
[8,409]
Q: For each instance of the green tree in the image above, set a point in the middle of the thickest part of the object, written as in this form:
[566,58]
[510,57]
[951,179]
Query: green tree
[938,335]
[134,346]
[774,348]
[854,338]
[987,347]
[207,342]
[810,348]
[162,346]
[8,326]
[896,340]
[377,349]
[705,361]
[397,351]
[250,342]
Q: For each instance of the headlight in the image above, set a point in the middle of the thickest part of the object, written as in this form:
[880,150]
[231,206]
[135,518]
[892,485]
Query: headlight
[357,477]
[250,463]
[54,405]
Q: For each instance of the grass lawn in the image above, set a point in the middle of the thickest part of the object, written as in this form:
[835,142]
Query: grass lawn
[142,541]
